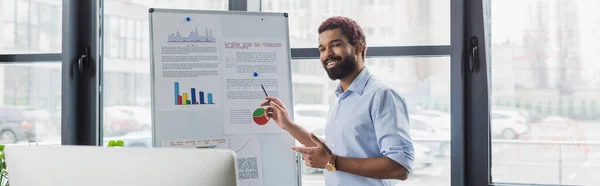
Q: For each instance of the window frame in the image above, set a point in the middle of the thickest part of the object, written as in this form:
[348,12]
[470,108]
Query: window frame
[78,101]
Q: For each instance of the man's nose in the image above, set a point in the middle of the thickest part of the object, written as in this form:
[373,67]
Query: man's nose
[330,54]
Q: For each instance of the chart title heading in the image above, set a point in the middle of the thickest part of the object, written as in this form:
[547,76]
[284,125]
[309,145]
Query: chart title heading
[247,45]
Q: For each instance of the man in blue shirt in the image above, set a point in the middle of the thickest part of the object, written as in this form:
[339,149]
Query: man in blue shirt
[367,140]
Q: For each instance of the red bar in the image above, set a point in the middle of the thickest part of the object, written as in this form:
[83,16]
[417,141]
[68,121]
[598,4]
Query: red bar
[179,100]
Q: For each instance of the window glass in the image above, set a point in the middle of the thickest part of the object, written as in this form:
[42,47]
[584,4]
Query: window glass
[139,39]
[425,85]
[544,83]
[312,113]
[8,10]
[34,37]
[23,13]
[34,15]
[112,46]
[127,66]
[412,22]
[130,37]
[122,37]
[29,26]
[9,35]
[30,104]
[22,39]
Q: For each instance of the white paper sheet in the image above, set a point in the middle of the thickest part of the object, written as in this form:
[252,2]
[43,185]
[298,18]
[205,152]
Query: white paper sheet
[248,64]
[188,63]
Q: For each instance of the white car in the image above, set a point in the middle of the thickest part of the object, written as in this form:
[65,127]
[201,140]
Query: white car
[508,124]
[425,131]
[442,118]
[142,115]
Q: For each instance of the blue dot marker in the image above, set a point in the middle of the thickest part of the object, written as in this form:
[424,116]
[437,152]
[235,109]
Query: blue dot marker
[187,19]
[255,74]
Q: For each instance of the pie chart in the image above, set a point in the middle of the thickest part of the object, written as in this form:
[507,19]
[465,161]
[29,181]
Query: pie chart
[260,116]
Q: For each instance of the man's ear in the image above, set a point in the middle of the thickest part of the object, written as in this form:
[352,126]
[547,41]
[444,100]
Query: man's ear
[360,48]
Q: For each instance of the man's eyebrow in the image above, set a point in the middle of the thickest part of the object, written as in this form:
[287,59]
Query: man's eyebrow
[335,40]
[332,41]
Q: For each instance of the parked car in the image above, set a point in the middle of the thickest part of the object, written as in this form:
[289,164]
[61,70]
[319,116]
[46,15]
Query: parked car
[141,114]
[442,118]
[425,131]
[119,123]
[45,127]
[15,126]
[508,124]
[529,115]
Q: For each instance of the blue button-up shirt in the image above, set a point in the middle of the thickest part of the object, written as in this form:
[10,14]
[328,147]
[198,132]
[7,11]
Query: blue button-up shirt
[368,120]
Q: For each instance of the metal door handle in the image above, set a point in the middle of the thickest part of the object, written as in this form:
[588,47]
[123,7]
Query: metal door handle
[80,63]
[473,54]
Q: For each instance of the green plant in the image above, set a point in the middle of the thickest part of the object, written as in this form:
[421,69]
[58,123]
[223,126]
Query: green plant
[118,143]
[3,172]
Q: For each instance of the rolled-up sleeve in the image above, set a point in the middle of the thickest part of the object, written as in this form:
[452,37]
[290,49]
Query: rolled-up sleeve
[390,119]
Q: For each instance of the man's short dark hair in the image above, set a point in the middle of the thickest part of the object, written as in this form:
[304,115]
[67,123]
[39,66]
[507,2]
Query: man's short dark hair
[349,28]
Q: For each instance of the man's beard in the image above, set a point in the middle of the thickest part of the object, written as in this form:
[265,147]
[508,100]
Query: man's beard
[343,69]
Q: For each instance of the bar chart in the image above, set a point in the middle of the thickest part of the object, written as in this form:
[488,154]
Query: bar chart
[192,97]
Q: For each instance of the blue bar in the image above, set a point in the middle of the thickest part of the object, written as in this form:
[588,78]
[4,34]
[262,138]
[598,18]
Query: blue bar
[193,96]
[202,97]
[176,90]
[210,101]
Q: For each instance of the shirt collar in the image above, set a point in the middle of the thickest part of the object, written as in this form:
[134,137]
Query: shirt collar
[358,84]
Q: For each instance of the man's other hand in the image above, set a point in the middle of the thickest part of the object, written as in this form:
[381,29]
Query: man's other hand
[316,157]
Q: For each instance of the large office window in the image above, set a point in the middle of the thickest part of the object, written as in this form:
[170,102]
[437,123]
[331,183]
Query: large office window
[127,66]
[30,91]
[423,81]
[544,91]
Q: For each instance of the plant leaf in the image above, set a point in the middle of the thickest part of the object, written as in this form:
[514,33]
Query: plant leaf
[111,143]
[120,143]
[1,148]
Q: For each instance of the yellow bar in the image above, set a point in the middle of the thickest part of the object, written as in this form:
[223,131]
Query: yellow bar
[184,101]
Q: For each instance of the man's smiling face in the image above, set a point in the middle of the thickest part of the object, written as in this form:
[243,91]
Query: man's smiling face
[337,55]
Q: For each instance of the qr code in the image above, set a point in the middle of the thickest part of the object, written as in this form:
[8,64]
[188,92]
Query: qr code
[247,168]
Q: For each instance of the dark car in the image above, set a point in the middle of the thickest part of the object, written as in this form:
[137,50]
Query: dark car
[14,126]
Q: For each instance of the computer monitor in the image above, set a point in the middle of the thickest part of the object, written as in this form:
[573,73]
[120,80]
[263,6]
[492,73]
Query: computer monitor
[118,166]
